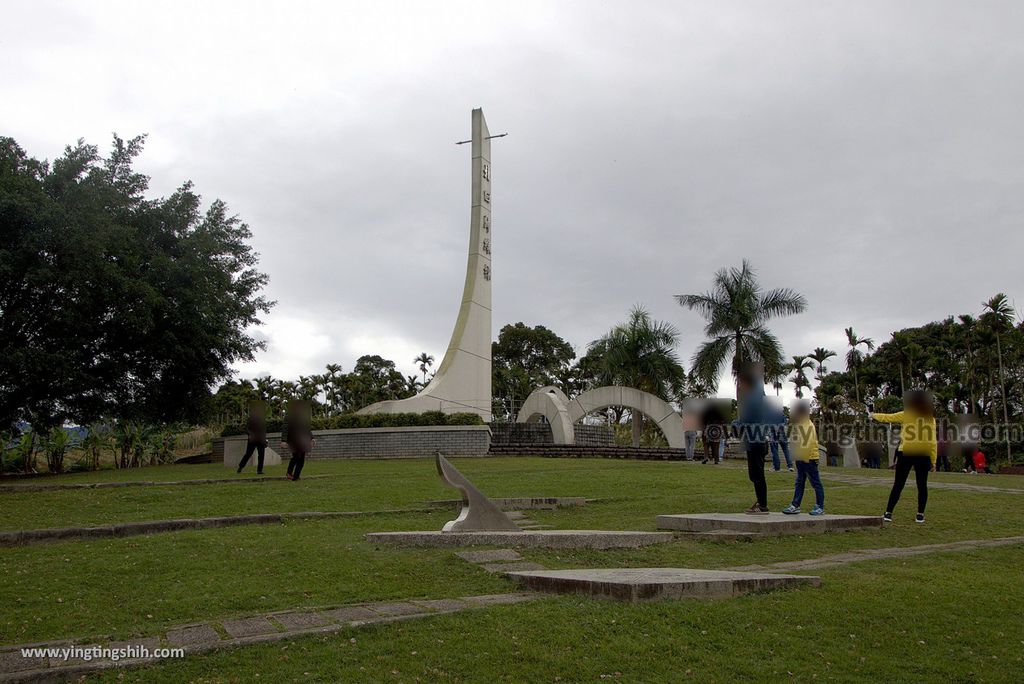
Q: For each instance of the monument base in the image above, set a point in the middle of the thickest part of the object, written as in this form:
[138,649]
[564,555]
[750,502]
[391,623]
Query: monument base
[773,524]
[546,539]
[651,584]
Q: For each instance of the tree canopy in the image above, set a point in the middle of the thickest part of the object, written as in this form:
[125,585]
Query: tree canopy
[113,304]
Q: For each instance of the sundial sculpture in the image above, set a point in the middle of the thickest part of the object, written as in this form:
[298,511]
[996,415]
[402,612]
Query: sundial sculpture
[463,380]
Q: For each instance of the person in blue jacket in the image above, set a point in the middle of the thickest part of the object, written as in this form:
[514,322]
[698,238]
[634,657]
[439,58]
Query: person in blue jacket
[753,428]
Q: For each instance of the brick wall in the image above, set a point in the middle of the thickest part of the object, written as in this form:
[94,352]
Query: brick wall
[451,440]
[540,433]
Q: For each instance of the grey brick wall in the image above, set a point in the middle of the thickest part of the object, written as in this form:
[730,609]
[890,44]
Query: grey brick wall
[451,440]
[540,433]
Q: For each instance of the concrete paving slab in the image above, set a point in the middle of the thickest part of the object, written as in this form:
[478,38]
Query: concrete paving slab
[547,539]
[442,605]
[500,599]
[650,584]
[350,613]
[192,635]
[248,627]
[772,524]
[300,619]
[396,608]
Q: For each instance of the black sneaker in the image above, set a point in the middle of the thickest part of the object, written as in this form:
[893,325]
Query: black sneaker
[920,518]
[887,516]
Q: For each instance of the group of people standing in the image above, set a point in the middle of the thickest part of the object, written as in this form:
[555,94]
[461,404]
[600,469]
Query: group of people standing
[296,436]
[761,427]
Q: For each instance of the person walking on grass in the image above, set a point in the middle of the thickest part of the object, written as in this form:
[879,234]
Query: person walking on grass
[297,436]
[804,438]
[752,428]
[256,436]
[714,420]
[918,450]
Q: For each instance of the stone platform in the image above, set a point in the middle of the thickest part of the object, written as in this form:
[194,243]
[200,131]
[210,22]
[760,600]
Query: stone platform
[651,584]
[546,539]
[773,524]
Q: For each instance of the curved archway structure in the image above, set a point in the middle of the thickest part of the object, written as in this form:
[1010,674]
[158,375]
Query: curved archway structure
[559,410]
[551,403]
[658,410]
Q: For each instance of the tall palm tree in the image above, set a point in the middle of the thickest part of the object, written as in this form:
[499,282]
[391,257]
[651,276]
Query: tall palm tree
[820,355]
[998,316]
[641,353]
[426,361]
[801,364]
[855,356]
[737,311]
[800,382]
[412,385]
[970,324]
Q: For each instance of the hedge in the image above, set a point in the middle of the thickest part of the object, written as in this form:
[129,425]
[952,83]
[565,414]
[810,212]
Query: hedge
[370,420]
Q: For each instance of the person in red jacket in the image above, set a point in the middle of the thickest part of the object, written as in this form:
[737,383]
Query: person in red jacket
[980,464]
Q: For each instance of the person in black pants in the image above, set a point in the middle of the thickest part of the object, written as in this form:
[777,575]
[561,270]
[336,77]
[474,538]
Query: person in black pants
[256,429]
[752,428]
[297,436]
[918,448]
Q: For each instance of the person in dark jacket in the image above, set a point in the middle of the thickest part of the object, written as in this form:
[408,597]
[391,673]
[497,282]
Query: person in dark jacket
[256,432]
[714,423]
[752,427]
[297,436]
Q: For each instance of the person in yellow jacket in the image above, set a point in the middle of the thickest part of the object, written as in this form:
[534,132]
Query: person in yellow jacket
[803,442]
[918,448]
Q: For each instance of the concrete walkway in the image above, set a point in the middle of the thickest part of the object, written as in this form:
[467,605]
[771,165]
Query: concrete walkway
[932,483]
[238,479]
[207,636]
[132,529]
[861,555]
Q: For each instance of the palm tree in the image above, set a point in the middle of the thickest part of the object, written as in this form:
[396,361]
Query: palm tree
[998,316]
[970,324]
[801,364]
[412,385]
[820,355]
[737,311]
[641,353]
[855,356]
[426,361]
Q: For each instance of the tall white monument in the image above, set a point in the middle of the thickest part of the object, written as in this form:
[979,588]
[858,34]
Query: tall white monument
[463,380]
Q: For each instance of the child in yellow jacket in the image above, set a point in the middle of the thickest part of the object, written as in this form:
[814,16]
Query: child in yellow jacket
[803,440]
[918,448]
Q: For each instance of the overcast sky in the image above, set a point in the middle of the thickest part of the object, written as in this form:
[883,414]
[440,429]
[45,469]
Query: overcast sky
[867,154]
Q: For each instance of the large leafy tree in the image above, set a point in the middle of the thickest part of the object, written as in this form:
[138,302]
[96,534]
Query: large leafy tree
[641,353]
[527,357]
[737,310]
[113,304]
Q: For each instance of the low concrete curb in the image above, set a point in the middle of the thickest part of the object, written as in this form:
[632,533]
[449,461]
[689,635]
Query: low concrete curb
[203,637]
[18,489]
[132,529]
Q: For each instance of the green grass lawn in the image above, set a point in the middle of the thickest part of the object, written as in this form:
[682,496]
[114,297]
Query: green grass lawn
[964,606]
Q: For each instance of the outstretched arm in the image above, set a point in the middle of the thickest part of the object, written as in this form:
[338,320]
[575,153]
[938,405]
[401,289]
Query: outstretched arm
[887,417]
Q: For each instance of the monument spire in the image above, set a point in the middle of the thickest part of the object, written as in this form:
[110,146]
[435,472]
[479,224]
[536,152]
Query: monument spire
[463,380]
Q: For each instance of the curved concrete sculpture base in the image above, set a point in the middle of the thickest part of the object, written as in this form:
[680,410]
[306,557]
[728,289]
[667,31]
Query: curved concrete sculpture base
[563,413]
[479,514]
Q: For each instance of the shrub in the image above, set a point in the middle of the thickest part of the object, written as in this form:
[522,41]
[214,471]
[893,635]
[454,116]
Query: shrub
[351,421]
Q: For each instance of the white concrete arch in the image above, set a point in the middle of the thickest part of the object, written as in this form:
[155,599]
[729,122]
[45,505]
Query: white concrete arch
[551,403]
[667,419]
